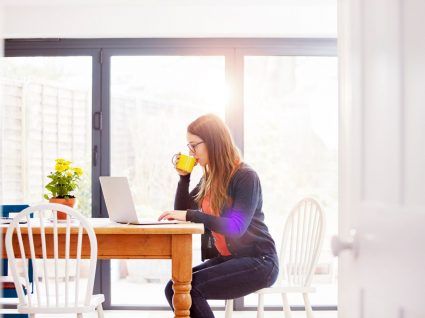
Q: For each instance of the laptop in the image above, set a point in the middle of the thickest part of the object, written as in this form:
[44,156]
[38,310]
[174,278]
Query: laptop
[120,205]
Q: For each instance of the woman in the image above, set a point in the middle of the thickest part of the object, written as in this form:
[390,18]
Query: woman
[228,201]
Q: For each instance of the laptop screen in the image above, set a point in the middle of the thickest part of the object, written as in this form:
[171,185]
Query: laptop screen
[118,199]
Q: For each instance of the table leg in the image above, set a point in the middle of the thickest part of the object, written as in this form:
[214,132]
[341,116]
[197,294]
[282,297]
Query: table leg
[182,274]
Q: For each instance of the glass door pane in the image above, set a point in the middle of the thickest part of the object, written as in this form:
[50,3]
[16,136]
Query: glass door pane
[153,99]
[291,139]
[46,110]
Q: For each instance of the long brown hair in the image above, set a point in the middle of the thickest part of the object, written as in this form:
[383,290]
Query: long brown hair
[223,159]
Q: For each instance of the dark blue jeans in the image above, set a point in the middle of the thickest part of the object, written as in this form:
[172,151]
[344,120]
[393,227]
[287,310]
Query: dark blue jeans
[227,277]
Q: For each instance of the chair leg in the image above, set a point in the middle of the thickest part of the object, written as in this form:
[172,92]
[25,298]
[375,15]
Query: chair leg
[229,308]
[99,309]
[286,308]
[260,306]
[308,309]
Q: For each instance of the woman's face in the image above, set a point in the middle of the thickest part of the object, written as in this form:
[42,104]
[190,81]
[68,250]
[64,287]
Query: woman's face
[197,149]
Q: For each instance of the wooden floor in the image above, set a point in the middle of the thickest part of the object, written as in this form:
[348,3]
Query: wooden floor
[218,314]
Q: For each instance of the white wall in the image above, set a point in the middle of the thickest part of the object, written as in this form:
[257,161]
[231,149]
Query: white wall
[166,19]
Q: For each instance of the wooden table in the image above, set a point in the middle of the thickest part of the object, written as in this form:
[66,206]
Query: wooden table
[121,241]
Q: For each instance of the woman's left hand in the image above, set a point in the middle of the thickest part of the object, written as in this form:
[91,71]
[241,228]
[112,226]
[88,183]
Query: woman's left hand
[178,215]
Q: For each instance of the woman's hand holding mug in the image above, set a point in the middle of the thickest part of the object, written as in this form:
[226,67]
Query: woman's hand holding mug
[183,163]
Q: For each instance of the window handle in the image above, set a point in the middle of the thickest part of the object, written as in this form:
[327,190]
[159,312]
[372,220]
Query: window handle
[95,155]
[97,120]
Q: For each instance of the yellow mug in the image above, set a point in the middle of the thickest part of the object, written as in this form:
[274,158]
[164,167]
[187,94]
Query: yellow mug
[184,162]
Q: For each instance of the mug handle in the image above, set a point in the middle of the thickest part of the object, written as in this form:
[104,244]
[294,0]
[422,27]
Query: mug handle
[174,159]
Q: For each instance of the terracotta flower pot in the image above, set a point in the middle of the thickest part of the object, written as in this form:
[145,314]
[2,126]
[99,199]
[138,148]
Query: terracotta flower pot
[68,202]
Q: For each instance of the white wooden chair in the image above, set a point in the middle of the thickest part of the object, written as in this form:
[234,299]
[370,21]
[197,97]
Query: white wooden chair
[301,246]
[62,295]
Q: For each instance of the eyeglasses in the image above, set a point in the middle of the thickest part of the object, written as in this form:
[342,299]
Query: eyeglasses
[192,147]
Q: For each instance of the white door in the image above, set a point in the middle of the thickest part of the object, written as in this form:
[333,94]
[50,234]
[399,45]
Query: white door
[382,158]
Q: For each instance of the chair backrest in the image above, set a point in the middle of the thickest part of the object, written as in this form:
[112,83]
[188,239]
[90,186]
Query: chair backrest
[40,231]
[301,243]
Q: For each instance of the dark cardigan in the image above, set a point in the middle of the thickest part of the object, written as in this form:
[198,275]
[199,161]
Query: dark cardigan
[242,224]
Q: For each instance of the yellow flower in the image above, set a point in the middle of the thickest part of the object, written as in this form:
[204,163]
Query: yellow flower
[69,173]
[60,167]
[78,171]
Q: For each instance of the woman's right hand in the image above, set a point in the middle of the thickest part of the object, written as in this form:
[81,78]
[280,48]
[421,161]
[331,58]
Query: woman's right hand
[179,171]
[182,172]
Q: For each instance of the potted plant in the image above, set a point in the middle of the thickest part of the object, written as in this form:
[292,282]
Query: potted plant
[64,180]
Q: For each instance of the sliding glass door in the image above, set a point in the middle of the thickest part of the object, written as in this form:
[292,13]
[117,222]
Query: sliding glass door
[46,111]
[291,139]
[46,106]
[153,99]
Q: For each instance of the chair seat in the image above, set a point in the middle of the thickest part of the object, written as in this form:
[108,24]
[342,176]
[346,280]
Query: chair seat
[286,289]
[94,302]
